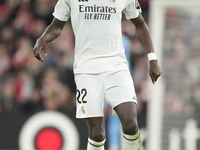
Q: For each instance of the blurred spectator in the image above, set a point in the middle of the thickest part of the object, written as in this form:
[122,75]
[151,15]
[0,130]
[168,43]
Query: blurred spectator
[34,104]
[37,28]
[24,86]
[23,54]
[43,10]
[4,59]
[8,100]
[22,22]
[7,38]
[181,61]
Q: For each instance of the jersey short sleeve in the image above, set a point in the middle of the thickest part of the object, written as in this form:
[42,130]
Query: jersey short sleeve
[132,9]
[62,10]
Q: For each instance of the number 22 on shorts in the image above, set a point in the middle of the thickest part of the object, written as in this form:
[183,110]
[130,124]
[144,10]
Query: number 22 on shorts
[81,95]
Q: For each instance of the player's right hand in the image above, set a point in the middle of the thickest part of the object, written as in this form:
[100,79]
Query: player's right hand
[40,46]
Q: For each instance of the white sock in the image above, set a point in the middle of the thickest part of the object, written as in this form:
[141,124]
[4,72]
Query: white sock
[92,145]
[131,142]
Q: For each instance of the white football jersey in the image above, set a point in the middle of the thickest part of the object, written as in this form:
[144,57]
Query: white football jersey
[97,28]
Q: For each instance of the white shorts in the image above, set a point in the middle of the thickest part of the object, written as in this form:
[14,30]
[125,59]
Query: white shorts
[92,89]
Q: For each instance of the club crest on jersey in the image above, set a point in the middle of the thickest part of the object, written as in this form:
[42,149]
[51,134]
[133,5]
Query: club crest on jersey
[83,110]
[112,1]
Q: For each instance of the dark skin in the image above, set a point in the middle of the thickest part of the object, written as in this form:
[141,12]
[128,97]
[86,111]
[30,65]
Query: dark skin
[127,112]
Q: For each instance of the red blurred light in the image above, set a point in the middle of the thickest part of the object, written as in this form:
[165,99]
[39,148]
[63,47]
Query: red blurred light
[49,139]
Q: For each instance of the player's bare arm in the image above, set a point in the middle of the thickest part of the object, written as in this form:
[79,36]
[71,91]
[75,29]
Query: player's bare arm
[143,36]
[50,34]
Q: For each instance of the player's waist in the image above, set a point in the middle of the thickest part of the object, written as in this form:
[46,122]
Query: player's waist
[100,68]
[98,64]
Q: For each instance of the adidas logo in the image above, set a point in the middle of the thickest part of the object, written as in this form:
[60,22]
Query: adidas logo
[82,0]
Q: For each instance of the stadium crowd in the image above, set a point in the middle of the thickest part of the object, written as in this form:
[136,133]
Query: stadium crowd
[181,62]
[30,86]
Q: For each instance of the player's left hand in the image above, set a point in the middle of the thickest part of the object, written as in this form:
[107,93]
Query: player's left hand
[154,71]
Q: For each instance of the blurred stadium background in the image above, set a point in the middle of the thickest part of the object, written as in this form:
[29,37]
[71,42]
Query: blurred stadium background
[168,112]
